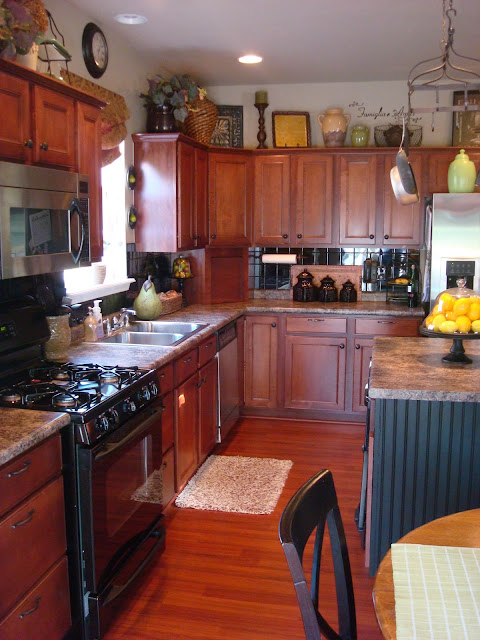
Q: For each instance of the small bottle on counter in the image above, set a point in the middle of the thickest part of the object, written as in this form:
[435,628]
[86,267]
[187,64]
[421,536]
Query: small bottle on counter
[97,314]
[90,327]
[412,296]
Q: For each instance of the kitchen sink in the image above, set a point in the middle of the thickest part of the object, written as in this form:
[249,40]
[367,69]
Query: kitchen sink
[156,333]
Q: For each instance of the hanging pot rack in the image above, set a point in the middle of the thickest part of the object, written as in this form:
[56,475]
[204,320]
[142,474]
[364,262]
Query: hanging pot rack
[447,72]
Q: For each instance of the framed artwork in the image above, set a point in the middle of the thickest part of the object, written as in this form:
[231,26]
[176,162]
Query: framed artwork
[228,131]
[466,124]
[291,128]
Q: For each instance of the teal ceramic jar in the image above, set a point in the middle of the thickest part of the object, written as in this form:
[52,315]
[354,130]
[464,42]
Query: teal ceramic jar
[360,134]
[461,174]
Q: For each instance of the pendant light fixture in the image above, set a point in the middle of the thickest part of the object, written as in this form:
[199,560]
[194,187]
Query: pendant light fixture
[450,71]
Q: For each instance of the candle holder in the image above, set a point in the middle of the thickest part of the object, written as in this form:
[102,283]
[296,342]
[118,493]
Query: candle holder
[261,135]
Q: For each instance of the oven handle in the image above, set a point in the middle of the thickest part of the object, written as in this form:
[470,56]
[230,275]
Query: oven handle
[109,448]
[117,590]
[75,208]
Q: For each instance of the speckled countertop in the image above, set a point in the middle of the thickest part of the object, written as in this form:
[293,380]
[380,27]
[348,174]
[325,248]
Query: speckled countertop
[21,429]
[412,369]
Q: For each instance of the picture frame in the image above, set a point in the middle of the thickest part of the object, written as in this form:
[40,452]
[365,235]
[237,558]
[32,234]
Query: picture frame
[466,124]
[228,131]
[291,129]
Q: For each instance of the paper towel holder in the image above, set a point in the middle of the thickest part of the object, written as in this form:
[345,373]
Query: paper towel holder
[279,258]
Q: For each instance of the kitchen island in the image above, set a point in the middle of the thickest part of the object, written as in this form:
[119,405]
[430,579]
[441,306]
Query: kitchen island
[425,437]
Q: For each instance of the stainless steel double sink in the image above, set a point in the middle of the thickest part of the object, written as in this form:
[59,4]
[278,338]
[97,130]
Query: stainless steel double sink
[159,333]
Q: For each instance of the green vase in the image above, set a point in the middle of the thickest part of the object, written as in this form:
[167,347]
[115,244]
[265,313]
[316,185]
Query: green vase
[461,174]
[360,134]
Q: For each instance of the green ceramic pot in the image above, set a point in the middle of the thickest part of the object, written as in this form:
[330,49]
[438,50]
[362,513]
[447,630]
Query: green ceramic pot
[360,134]
[461,174]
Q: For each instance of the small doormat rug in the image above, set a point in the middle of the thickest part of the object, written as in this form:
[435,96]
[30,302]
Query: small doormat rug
[237,484]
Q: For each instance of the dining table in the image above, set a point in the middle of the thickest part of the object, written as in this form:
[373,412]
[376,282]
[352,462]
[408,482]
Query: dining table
[456,530]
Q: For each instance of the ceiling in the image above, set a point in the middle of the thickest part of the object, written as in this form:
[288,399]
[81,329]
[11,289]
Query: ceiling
[301,41]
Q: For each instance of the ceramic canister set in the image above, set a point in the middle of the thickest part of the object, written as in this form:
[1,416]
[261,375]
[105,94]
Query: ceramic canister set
[305,291]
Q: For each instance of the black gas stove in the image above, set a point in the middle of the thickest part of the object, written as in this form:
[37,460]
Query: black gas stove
[98,398]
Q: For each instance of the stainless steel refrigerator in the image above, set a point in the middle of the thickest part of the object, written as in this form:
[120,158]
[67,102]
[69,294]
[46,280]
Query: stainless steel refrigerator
[454,248]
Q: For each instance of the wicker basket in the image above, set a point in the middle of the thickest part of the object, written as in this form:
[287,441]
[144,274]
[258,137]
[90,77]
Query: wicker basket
[169,305]
[200,123]
[414,130]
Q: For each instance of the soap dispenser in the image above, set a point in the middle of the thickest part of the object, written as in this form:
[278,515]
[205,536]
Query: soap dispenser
[90,326]
[97,314]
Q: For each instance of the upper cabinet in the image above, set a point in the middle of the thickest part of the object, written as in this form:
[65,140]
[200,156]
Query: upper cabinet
[438,163]
[16,121]
[357,199]
[230,198]
[271,200]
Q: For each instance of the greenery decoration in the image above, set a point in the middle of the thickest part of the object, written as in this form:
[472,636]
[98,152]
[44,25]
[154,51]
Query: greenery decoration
[179,92]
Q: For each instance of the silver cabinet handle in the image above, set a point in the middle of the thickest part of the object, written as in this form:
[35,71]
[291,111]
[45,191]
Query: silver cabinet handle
[357,346]
[26,521]
[25,467]
[187,360]
[32,610]
[341,346]
[316,319]
[386,322]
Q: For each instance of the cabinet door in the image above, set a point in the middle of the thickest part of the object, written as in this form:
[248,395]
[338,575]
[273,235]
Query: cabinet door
[186,431]
[89,163]
[261,344]
[207,402]
[168,422]
[438,164]
[361,359]
[315,372]
[357,200]
[200,226]
[54,128]
[402,225]
[271,213]
[313,196]
[15,128]
[230,199]
[186,196]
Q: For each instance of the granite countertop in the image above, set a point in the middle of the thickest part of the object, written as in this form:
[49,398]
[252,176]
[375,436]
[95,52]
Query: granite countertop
[412,369]
[21,429]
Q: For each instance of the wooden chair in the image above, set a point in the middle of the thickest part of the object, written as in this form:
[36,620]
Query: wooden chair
[313,505]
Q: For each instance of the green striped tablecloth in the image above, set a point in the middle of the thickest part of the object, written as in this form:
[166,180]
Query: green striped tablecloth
[437,592]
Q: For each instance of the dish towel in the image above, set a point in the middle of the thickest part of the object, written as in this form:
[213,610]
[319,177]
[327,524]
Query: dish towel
[437,592]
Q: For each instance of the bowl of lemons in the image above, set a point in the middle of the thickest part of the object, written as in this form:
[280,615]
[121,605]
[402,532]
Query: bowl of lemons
[455,314]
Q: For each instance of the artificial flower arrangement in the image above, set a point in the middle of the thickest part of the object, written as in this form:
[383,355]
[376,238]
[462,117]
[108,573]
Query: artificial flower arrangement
[179,92]
[22,23]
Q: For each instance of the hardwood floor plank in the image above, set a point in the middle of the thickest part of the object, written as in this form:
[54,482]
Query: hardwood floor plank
[224,575]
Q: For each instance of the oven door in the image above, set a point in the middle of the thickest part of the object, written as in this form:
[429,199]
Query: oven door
[120,499]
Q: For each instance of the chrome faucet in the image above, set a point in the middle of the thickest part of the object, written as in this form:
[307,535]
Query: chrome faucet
[123,319]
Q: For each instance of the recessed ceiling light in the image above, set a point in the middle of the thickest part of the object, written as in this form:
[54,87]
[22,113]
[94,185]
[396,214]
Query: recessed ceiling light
[250,59]
[130,18]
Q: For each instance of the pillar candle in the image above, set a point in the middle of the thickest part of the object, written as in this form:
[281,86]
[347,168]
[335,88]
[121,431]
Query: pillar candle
[261,97]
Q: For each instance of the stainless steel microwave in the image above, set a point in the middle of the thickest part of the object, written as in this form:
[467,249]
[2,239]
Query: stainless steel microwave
[44,220]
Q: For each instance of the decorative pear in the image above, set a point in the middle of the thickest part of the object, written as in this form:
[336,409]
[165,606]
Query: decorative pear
[147,304]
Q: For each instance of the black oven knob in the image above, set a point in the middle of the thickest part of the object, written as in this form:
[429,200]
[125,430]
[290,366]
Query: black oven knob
[102,424]
[153,389]
[144,394]
[113,417]
[129,406]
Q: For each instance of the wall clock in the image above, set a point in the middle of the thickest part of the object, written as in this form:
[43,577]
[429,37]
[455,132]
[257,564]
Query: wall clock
[94,50]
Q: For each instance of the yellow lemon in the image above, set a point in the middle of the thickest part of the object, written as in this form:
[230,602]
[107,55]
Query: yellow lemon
[429,322]
[450,315]
[437,321]
[448,326]
[476,326]
[435,310]
[461,306]
[463,324]
[474,299]
[445,302]
[474,313]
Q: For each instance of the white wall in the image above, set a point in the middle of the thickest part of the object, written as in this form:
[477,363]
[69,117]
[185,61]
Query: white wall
[384,102]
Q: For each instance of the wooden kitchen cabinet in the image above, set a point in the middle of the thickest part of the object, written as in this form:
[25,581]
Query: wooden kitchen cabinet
[230,198]
[357,199]
[271,212]
[438,164]
[15,123]
[261,358]
[32,573]
[186,431]
[171,192]
[207,414]
[53,128]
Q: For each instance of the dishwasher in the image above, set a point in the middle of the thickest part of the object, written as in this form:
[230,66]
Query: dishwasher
[228,379]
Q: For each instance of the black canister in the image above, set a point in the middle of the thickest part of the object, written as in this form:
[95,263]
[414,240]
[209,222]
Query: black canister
[327,291]
[348,292]
[304,290]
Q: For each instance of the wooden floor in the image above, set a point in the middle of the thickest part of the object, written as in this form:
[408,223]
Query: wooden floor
[224,576]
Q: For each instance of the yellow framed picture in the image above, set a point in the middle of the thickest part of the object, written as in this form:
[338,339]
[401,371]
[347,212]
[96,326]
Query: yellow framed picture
[291,129]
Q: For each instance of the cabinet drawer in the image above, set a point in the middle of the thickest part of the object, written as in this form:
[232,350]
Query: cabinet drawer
[167,422]
[168,477]
[186,366]
[387,326]
[165,378]
[316,324]
[207,350]
[32,538]
[25,475]
[44,613]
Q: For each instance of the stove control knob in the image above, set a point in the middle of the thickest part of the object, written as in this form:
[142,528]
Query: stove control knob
[144,394]
[153,389]
[113,417]
[129,406]
[102,423]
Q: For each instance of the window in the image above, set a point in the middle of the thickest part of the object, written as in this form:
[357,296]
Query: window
[81,283]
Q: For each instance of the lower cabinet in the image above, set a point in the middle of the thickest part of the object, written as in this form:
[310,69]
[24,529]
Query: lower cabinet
[207,409]
[261,348]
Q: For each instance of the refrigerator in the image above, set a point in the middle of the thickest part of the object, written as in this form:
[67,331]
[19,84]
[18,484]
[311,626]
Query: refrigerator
[454,247]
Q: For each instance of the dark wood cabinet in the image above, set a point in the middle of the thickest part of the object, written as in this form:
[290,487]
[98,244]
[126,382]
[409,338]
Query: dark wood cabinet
[230,198]
[15,123]
[271,213]
[362,353]
[261,357]
[53,128]
[357,204]
[207,404]
[438,163]
[186,431]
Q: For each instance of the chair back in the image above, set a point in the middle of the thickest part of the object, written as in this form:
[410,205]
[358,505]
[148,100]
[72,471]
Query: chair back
[311,507]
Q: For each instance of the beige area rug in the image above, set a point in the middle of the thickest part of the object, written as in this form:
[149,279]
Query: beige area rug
[236,483]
